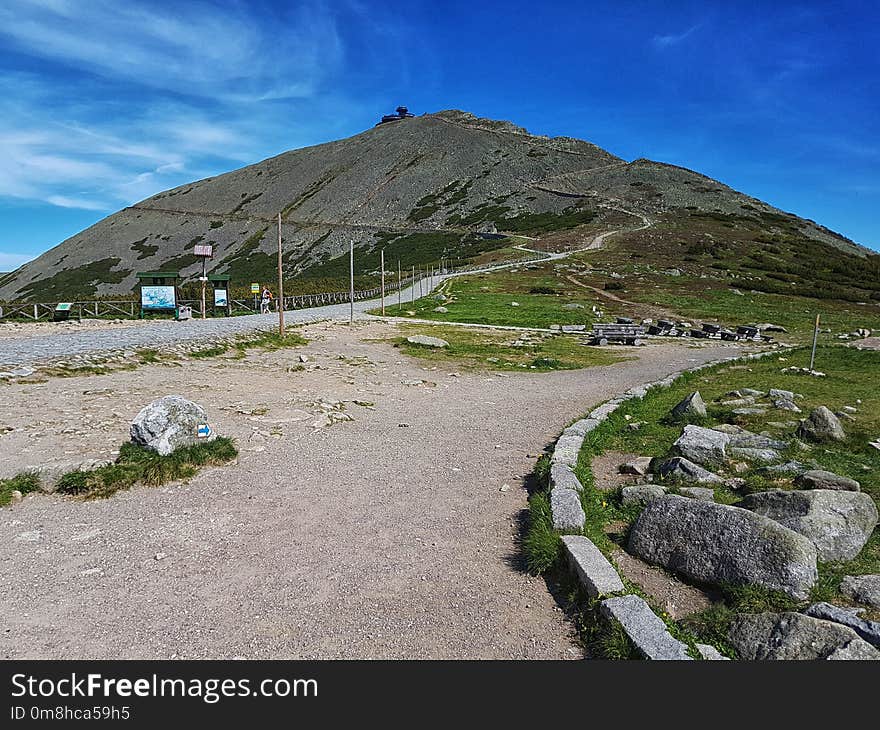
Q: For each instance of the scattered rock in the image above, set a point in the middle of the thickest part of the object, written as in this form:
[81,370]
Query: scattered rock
[749,411]
[735,402]
[426,341]
[778,470]
[645,629]
[639,466]
[784,404]
[820,479]
[748,440]
[514,304]
[752,392]
[821,426]
[779,393]
[867,630]
[837,523]
[753,454]
[711,653]
[714,543]
[702,493]
[792,635]
[692,406]
[640,493]
[703,446]
[681,469]
[441,310]
[862,588]
[167,424]
[596,574]
[15,497]
[573,305]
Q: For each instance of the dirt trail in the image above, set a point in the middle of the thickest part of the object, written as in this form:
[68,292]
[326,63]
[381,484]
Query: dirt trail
[650,310]
[385,536]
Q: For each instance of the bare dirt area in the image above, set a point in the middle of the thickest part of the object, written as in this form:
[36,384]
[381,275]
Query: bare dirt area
[389,535]
[71,326]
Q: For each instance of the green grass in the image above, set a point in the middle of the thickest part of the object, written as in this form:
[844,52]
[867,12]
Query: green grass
[851,375]
[541,544]
[207,352]
[137,465]
[494,350]
[270,341]
[488,298]
[25,482]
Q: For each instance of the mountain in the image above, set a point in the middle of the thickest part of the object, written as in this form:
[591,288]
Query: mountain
[438,184]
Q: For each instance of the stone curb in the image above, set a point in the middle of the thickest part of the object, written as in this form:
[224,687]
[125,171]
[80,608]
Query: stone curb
[595,573]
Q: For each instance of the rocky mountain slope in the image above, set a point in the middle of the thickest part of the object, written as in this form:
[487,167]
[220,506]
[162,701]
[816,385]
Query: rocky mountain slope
[438,184]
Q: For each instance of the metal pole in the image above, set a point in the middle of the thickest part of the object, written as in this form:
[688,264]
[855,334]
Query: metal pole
[815,339]
[204,281]
[399,287]
[351,281]
[413,285]
[280,284]
[382,255]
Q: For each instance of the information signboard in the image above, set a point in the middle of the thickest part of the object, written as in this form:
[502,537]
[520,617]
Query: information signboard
[255,288]
[158,297]
[221,298]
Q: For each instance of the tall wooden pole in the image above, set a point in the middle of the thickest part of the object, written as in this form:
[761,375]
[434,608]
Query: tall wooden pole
[399,288]
[351,282]
[382,255]
[204,281]
[280,285]
[815,340]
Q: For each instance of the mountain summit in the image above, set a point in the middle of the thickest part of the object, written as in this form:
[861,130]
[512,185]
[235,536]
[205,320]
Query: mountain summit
[426,185]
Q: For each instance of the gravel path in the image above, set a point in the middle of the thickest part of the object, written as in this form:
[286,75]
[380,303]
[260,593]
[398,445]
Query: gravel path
[384,537]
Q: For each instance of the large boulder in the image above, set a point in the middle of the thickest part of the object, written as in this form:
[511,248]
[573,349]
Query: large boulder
[837,523]
[427,341]
[821,479]
[692,406]
[714,543]
[168,424]
[821,426]
[795,636]
[683,470]
[703,446]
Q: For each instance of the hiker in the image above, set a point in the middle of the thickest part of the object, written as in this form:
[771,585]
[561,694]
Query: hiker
[264,301]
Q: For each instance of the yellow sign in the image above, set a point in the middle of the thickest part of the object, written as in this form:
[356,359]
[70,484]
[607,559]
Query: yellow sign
[255,288]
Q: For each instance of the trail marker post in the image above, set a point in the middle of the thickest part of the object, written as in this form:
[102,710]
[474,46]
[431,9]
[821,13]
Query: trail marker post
[382,257]
[204,251]
[399,288]
[413,285]
[815,340]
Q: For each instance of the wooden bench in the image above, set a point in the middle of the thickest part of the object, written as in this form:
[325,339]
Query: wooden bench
[624,334]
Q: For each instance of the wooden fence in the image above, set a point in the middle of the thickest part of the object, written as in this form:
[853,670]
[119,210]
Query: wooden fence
[131,309]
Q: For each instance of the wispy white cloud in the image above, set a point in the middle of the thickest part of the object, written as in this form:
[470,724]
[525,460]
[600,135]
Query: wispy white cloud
[673,39]
[195,48]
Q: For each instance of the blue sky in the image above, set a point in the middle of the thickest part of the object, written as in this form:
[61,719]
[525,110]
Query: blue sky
[105,102]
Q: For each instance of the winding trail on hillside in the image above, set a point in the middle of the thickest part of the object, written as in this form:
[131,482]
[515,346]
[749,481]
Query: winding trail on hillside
[31,350]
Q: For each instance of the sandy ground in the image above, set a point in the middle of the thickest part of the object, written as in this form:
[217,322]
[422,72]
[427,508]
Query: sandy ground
[387,536]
